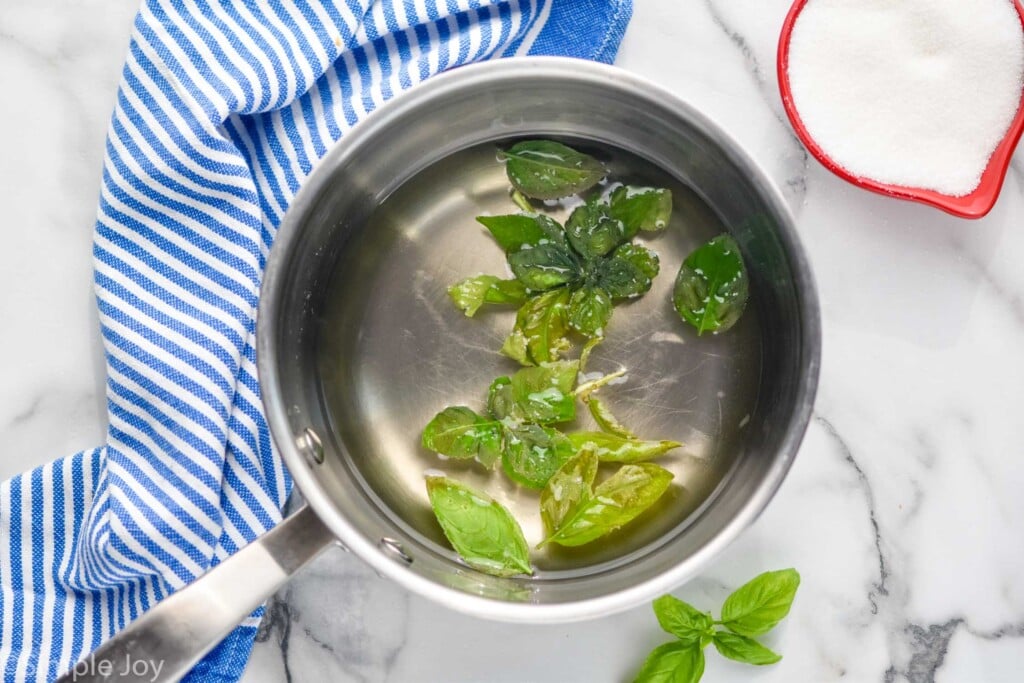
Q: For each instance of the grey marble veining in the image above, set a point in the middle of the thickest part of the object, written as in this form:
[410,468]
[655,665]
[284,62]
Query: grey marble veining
[903,511]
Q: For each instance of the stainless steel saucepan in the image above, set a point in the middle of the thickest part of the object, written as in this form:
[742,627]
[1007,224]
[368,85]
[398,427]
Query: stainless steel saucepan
[358,347]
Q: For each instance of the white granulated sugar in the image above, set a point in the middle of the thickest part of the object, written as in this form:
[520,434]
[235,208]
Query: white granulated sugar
[916,93]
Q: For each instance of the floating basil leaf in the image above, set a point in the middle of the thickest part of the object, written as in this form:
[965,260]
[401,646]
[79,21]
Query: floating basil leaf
[743,649]
[500,403]
[641,208]
[481,530]
[676,662]
[543,394]
[472,293]
[606,421]
[590,309]
[516,346]
[592,231]
[645,260]
[515,231]
[543,169]
[621,278]
[458,432]
[757,606]
[543,267]
[684,621]
[570,486]
[613,448]
[541,326]
[536,394]
[532,454]
[711,289]
[615,502]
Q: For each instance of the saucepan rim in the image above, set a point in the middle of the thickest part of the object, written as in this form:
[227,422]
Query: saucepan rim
[289,239]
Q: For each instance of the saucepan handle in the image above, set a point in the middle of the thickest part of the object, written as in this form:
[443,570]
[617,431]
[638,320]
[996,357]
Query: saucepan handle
[169,639]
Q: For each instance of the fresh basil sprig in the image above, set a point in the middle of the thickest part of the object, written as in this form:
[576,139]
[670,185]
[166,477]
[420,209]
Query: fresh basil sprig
[482,531]
[545,169]
[753,609]
[711,288]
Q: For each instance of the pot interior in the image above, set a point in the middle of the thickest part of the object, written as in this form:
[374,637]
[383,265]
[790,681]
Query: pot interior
[367,346]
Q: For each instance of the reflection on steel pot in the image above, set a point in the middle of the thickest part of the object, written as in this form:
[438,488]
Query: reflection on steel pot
[356,342]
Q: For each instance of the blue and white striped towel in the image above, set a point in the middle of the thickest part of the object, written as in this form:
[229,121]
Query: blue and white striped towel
[223,109]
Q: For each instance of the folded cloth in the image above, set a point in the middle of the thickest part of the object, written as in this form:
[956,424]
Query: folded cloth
[223,109]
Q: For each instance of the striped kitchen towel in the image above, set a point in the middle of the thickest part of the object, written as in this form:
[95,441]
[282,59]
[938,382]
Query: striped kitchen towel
[223,108]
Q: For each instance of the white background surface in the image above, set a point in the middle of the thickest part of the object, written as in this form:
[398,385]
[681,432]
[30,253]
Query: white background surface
[904,511]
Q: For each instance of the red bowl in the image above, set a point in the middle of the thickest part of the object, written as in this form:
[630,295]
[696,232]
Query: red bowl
[974,205]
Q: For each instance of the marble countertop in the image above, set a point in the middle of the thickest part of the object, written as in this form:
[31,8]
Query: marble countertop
[903,512]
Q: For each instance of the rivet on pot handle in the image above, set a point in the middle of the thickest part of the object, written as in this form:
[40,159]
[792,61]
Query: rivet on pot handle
[175,634]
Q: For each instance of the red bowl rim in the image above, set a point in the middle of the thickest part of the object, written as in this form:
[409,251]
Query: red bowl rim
[974,205]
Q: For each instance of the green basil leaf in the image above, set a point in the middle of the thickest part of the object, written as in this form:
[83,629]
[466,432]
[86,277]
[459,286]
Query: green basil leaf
[515,231]
[472,293]
[616,501]
[614,448]
[675,662]
[743,649]
[711,289]
[590,309]
[641,208]
[757,606]
[541,327]
[540,395]
[480,529]
[621,278]
[606,421]
[544,267]
[681,619]
[532,454]
[458,432]
[516,346]
[500,403]
[570,486]
[543,394]
[543,169]
[645,260]
[592,232]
